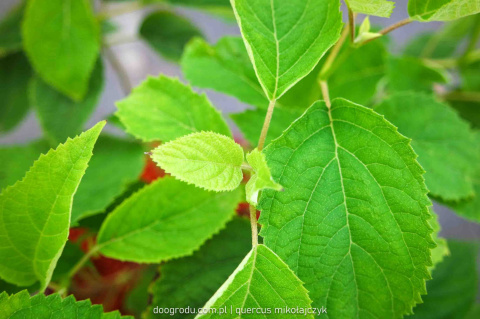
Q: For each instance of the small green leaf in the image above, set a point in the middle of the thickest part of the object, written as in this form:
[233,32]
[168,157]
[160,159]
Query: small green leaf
[164,109]
[379,8]
[10,33]
[444,143]
[21,305]
[61,38]
[262,281]
[116,165]
[442,10]
[208,160]
[15,73]
[452,291]
[168,33]
[35,212]
[352,221]
[176,219]
[191,281]
[285,42]
[261,178]
[59,116]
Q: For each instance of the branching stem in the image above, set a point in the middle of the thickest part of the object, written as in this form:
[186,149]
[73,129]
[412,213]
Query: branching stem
[391,28]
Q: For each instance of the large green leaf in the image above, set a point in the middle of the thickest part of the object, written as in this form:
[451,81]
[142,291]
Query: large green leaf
[61,117]
[21,305]
[10,33]
[285,41]
[452,291]
[15,73]
[262,282]
[176,219]
[442,10]
[116,165]
[352,221]
[208,160]
[61,38]
[164,109]
[35,212]
[444,143]
[168,33]
[380,8]
[191,281]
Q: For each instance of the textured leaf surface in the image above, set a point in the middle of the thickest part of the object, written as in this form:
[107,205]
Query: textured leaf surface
[411,74]
[168,33]
[10,34]
[191,281]
[379,8]
[61,117]
[442,10]
[176,219]
[35,212]
[21,305]
[209,160]
[439,252]
[284,40]
[352,221]
[452,291]
[164,109]
[444,143]
[61,38]
[117,164]
[264,281]
[15,73]
[261,178]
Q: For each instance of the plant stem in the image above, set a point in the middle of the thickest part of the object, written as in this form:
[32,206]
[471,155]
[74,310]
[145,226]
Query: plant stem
[464,96]
[391,28]
[82,261]
[121,73]
[325,93]
[253,223]
[266,124]
[351,24]
[333,54]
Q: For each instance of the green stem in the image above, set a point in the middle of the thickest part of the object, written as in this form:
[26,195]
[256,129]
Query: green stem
[119,69]
[266,124]
[333,54]
[325,93]
[351,24]
[391,28]
[463,96]
[253,224]
[79,265]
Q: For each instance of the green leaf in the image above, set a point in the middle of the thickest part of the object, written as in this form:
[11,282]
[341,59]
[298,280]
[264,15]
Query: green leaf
[10,33]
[61,38]
[379,8]
[21,305]
[59,116]
[208,160]
[168,33]
[35,212]
[16,160]
[15,73]
[262,280]
[443,142]
[442,10]
[412,74]
[452,291]
[191,281]
[285,42]
[218,7]
[164,109]
[176,220]
[352,221]
[439,252]
[116,165]
[261,178]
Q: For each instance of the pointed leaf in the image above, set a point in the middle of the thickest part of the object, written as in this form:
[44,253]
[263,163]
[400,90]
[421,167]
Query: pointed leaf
[442,10]
[261,178]
[21,305]
[59,116]
[176,219]
[15,73]
[164,109]
[262,281]
[379,8]
[191,281]
[443,141]
[61,38]
[168,33]
[35,212]
[208,160]
[285,41]
[352,221]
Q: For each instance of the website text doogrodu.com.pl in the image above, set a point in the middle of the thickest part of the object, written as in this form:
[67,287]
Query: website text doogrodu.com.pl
[231,310]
